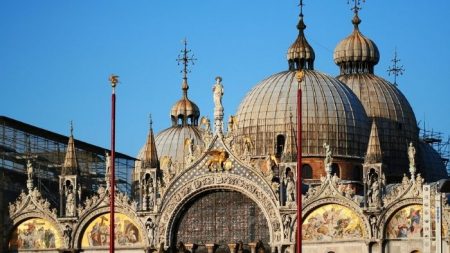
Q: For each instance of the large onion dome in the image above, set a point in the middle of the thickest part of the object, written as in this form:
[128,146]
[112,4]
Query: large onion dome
[382,101]
[331,113]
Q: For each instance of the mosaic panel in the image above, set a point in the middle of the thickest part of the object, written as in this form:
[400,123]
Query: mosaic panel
[332,222]
[35,233]
[97,232]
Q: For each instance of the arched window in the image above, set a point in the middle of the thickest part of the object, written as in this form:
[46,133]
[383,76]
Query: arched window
[357,173]
[335,170]
[280,144]
[307,171]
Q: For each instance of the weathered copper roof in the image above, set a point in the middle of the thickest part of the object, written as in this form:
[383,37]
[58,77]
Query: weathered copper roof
[330,113]
[170,142]
[395,118]
[430,163]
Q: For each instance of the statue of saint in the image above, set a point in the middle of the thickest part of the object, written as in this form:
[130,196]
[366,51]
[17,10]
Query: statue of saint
[67,235]
[107,162]
[150,226]
[328,158]
[29,170]
[411,155]
[218,93]
[70,202]
[290,187]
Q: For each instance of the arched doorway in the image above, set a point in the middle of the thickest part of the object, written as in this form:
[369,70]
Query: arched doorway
[221,217]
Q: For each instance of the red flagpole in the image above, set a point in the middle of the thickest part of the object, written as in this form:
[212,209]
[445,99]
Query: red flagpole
[114,82]
[299,162]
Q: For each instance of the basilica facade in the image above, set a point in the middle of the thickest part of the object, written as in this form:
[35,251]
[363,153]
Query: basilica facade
[229,185]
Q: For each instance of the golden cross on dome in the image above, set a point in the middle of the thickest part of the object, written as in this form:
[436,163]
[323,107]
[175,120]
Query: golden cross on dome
[185,59]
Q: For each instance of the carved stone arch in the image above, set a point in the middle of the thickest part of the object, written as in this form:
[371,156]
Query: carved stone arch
[85,221]
[311,207]
[225,181]
[23,217]
[392,209]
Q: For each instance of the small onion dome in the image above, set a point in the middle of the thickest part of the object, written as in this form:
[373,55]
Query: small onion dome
[171,142]
[356,53]
[184,111]
[300,54]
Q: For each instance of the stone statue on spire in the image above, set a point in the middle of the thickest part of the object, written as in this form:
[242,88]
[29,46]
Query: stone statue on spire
[218,107]
[412,159]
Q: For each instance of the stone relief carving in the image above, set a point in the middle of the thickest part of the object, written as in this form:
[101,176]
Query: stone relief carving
[409,188]
[31,202]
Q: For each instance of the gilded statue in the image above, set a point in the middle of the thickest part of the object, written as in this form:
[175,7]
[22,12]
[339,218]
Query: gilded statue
[217,159]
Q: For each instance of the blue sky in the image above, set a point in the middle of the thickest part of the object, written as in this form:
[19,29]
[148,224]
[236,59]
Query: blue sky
[56,56]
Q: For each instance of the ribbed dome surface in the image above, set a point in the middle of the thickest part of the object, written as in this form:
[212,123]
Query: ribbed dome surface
[394,116]
[330,112]
[170,142]
[186,108]
[430,163]
[356,53]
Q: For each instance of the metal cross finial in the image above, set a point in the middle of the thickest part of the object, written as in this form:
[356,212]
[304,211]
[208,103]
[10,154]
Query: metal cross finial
[395,69]
[185,59]
[301,4]
[357,5]
[71,127]
[151,121]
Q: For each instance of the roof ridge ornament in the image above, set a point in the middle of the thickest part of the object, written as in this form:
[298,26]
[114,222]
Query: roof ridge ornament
[185,59]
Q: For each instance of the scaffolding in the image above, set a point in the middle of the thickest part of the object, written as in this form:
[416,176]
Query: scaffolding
[20,142]
[439,143]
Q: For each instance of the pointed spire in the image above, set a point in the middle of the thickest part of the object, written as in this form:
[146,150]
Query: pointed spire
[70,166]
[150,157]
[300,54]
[374,154]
